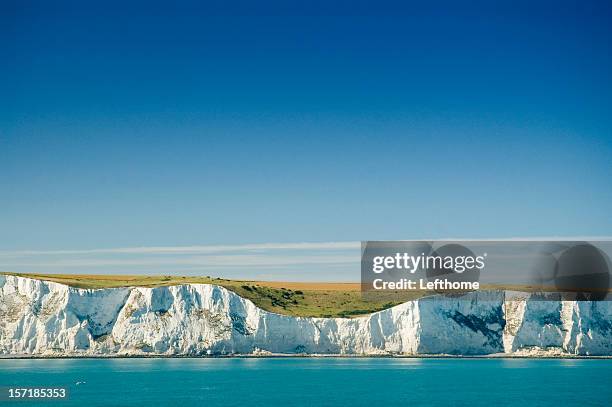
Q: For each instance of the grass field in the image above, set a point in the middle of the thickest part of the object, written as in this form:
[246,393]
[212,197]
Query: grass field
[289,298]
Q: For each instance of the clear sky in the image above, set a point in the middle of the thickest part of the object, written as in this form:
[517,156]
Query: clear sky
[145,126]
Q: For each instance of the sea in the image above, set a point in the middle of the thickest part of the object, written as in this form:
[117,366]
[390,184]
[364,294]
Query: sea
[303,381]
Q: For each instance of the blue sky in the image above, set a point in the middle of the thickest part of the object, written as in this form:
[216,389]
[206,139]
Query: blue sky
[139,126]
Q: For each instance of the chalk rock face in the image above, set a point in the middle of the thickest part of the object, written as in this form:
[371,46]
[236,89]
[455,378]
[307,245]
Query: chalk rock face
[50,319]
[537,327]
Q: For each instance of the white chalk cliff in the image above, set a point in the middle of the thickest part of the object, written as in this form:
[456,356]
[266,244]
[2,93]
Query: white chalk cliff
[50,319]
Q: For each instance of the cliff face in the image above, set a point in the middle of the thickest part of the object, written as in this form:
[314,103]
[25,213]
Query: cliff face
[45,318]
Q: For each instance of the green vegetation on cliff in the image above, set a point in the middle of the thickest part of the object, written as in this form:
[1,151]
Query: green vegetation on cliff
[289,298]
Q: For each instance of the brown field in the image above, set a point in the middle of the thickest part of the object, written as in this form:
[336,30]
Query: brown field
[312,286]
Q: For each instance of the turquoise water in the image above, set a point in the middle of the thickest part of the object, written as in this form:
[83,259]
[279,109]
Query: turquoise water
[317,381]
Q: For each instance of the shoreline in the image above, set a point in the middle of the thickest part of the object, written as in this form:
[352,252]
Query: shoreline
[306,356]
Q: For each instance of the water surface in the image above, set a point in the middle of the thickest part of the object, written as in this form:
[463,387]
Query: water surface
[316,381]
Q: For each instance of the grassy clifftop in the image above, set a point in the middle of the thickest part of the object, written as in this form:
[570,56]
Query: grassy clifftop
[294,299]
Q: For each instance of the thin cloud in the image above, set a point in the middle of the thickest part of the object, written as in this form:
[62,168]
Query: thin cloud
[209,261]
[317,261]
[190,249]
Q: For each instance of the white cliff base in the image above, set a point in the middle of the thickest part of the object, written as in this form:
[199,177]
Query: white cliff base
[40,318]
